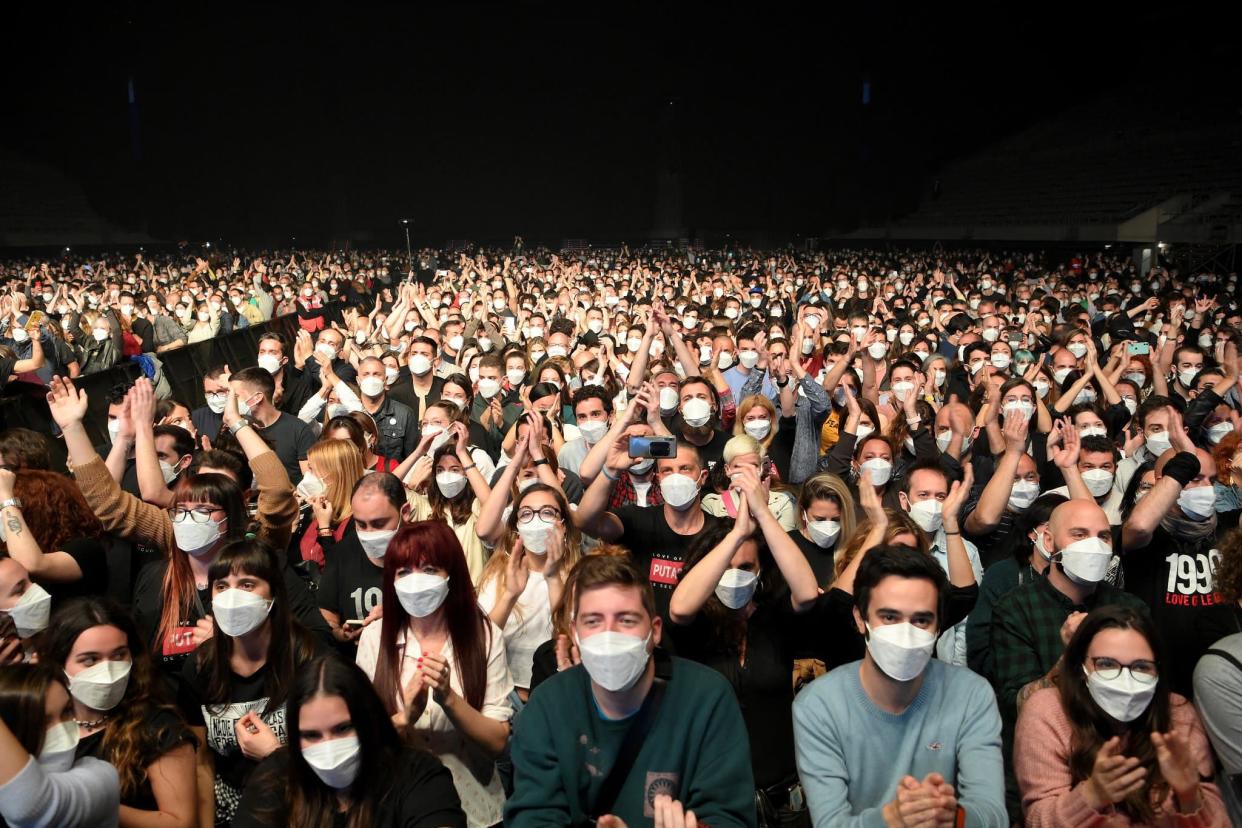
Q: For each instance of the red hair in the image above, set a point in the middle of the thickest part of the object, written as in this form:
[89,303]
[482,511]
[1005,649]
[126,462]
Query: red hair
[433,543]
[54,509]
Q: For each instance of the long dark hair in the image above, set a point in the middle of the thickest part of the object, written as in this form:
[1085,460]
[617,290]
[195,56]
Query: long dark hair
[290,644]
[728,627]
[432,542]
[23,696]
[307,802]
[1091,727]
[132,740]
[458,508]
[177,591]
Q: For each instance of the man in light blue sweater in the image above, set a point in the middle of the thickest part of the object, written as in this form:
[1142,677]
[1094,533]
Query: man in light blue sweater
[898,739]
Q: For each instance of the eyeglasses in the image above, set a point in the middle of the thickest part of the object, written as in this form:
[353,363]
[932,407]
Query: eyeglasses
[548,514]
[200,515]
[1142,671]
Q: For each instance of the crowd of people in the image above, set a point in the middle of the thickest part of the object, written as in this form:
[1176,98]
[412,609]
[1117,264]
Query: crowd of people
[646,537]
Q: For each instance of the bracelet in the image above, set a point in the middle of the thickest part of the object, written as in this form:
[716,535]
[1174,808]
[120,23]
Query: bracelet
[471,466]
[953,533]
[607,476]
[542,461]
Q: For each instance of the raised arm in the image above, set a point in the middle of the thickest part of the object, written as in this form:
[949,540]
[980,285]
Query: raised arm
[1136,532]
[995,496]
[490,526]
[151,482]
[961,573]
[698,584]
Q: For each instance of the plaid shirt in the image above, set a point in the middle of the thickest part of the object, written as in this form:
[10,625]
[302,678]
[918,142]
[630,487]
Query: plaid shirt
[1026,633]
[624,493]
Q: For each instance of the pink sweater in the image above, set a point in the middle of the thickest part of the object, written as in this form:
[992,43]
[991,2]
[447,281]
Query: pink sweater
[1041,762]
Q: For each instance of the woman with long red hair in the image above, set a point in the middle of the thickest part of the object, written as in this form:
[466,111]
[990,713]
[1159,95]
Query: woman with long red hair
[438,663]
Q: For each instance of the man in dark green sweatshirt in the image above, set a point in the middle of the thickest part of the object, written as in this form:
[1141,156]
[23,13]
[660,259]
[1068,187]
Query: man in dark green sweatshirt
[695,756]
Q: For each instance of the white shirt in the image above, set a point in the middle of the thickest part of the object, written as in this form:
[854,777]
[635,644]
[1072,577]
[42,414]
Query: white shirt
[529,623]
[474,773]
[951,648]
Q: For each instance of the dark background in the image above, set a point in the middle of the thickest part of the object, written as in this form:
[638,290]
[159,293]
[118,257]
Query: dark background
[260,124]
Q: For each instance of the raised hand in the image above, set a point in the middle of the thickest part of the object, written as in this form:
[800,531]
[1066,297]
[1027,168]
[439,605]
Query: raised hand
[1063,444]
[1178,767]
[958,493]
[517,573]
[67,403]
[1015,431]
[1114,776]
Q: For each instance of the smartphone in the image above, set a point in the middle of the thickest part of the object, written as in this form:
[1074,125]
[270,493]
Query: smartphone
[653,447]
[1138,348]
[355,622]
[35,321]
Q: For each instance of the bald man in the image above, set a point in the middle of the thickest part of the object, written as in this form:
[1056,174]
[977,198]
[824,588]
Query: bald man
[1032,623]
[1169,545]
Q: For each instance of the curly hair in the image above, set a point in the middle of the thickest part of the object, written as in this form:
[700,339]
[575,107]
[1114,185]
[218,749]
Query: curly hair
[54,509]
[1223,453]
[899,523]
[1229,568]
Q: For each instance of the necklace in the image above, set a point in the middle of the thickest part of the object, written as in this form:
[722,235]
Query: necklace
[102,720]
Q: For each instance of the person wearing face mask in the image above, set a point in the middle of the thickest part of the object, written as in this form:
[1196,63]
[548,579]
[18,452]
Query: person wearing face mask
[438,663]
[446,484]
[523,584]
[926,495]
[98,343]
[1160,422]
[208,418]
[593,411]
[698,419]
[1171,544]
[805,408]
[860,452]
[683,713]
[1028,560]
[1183,362]
[294,386]
[636,485]
[350,592]
[744,453]
[234,687]
[749,358]
[333,469]
[826,522]
[655,537]
[291,437]
[731,606]
[170,596]
[120,712]
[41,781]
[1113,738]
[1097,467]
[1032,623]
[1218,682]
[854,726]
[161,453]
[397,422]
[25,608]
[344,756]
[425,386]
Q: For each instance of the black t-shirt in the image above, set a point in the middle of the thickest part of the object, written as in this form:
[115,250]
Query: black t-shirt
[166,730]
[246,694]
[290,438]
[91,556]
[207,422]
[822,560]
[418,793]
[656,549]
[1174,575]
[172,652]
[351,583]
[144,330]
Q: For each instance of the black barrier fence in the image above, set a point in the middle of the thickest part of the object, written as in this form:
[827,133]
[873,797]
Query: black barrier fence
[25,404]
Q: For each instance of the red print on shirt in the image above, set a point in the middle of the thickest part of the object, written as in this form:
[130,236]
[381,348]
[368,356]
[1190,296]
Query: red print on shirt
[664,572]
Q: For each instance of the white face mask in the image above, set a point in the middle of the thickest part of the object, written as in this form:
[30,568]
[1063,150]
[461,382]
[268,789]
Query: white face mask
[906,337]
[1124,698]
[902,389]
[642,466]
[334,761]
[421,594]
[1022,495]
[679,491]
[724,361]
[901,651]
[556,350]
[668,399]
[615,661]
[375,543]
[455,342]
[1138,378]
[196,539]
[450,484]
[489,387]
[991,334]
[216,402]
[696,412]
[101,686]
[749,359]
[1131,404]
[419,365]
[31,611]
[60,745]
[881,470]
[515,376]
[238,612]
[877,350]
[938,377]
[757,429]
[864,431]
[100,334]
[311,486]
[1098,481]
[535,535]
[114,429]
[593,430]
[1086,561]
[945,437]
[1060,374]
[1198,503]
[928,514]
[736,588]
[1041,388]
[823,532]
[1159,443]
[1078,349]
[1023,408]
[1187,376]
[1218,432]
[169,471]
[1000,361]
[371,386]
[269,363]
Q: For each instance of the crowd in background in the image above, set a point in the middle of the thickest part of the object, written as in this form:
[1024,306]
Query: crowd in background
[625,537]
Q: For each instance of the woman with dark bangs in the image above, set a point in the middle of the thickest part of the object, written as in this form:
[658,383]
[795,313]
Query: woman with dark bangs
[1111,744]
[233,690]
[121,714]
[345,765]
[347,427]
[439,666]
[171,596]
[51,531]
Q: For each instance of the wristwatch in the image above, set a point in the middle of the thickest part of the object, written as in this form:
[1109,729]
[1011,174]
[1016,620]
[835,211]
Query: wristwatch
[12,501]
[239,425]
